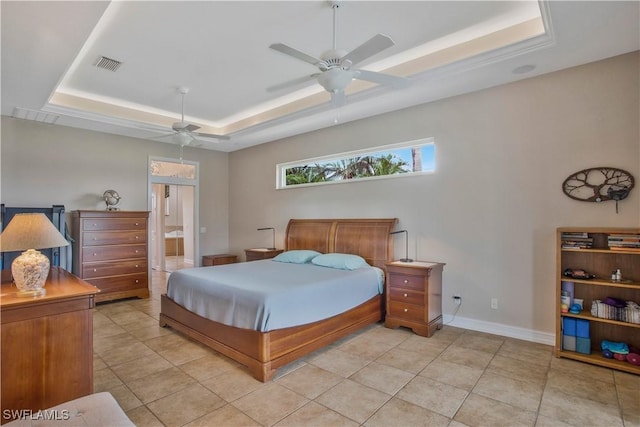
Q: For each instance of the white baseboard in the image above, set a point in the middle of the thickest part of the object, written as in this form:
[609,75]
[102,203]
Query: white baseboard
[500,329]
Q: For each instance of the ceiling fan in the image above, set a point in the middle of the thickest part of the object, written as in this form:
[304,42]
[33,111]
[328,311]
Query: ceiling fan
[185,133]
[335,65]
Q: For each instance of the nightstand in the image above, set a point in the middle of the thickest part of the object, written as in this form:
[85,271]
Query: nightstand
[219,259]
[414,296]
[261,253]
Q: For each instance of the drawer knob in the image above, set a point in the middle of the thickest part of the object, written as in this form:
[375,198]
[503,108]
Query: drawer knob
[406,281]
[406,309]
[95,225]
[137,281]
[137,223]
[95,238]
[137,237]
[137,251]
[136,265]
[95,254]
[95,269]
[405,295]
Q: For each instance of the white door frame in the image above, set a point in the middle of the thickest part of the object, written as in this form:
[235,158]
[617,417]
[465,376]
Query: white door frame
[154,179]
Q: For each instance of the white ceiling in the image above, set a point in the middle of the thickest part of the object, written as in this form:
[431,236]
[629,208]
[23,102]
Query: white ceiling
[220,50]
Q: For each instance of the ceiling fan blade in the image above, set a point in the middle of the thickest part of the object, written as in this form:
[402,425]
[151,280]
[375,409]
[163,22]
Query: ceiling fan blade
[383,79]
[288,50]
[184,127]
[375,44]
[165,136]
[211,135]
[291,83]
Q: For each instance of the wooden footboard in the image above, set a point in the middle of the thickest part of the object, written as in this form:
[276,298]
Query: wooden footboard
[264,352]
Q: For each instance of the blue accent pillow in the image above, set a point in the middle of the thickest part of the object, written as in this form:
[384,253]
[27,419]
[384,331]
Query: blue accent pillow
[297,256]
[340,261]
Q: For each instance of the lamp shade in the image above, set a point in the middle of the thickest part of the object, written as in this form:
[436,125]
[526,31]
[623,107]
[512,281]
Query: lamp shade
[30,231]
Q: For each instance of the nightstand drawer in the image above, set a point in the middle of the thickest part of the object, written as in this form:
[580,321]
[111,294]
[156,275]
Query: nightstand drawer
[406,296]
[406,281]
[407,311]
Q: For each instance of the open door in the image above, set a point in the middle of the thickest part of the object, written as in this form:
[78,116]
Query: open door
[173,205]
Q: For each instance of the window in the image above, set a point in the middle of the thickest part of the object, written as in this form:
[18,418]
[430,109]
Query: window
[405,159]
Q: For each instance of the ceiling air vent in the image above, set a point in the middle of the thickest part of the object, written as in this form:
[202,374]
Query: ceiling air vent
[37,116]
[108,63]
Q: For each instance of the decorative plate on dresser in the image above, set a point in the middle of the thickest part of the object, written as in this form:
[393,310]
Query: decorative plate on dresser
[110,252]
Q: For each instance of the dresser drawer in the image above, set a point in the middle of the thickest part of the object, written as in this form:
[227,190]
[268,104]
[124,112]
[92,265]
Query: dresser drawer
[406,296]
[407,281]
[108,253]
[114,268]
[99,238]
[407,311]
[105,224]
[120,283]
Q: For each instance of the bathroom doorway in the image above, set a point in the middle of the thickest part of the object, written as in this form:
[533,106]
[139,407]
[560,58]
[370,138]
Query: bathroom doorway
[173,201]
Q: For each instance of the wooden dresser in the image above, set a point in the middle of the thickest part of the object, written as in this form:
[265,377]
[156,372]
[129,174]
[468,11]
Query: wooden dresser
[47,344]
[110,252]
[414,296]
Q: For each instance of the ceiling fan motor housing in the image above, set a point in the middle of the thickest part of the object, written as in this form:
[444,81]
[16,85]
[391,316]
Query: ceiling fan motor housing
[335,79]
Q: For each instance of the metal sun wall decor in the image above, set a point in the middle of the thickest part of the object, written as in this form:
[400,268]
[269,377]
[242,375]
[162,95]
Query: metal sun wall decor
[599,185]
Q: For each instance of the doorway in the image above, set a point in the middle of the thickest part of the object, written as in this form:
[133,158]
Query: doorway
[172,225]
[173,202]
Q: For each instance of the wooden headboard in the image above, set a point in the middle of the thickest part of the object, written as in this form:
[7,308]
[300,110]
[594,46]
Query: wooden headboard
[366,237]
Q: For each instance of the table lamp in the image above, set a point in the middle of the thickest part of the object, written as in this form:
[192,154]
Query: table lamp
[28,232]
[406,242]
[273,246]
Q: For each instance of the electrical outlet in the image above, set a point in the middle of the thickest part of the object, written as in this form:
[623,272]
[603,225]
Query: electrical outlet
[457,299]
[494,303]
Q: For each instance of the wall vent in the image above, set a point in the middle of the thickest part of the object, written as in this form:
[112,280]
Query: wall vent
[108,63]
[35,115]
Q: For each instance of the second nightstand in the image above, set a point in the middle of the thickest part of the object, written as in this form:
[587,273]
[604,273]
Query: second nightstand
[260,253]
[219,259]
[414,296]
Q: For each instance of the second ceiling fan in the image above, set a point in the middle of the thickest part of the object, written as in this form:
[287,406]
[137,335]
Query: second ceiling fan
[184,133]
[335,65]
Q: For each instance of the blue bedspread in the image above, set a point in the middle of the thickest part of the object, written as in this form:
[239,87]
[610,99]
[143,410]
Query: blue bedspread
[266,295]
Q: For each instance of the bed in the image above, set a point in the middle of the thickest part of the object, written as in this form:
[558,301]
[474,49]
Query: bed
[263,352]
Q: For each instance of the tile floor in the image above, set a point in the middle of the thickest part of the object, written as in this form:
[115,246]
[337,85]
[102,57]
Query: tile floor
[377,377]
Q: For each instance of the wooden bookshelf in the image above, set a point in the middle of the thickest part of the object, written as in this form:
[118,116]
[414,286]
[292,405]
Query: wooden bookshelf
[596,257]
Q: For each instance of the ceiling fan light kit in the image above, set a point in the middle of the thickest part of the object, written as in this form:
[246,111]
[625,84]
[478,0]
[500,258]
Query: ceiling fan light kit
[335,65]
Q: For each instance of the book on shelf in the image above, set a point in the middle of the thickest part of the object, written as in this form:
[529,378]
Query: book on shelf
[576,241]
[625,248]
[574,234]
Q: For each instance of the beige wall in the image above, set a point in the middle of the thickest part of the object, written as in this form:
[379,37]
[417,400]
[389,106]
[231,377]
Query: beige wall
[489,212]
[491,209]
[47,164]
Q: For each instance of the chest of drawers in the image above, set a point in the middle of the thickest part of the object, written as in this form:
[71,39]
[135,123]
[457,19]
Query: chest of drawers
[414,296]
[110,252]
